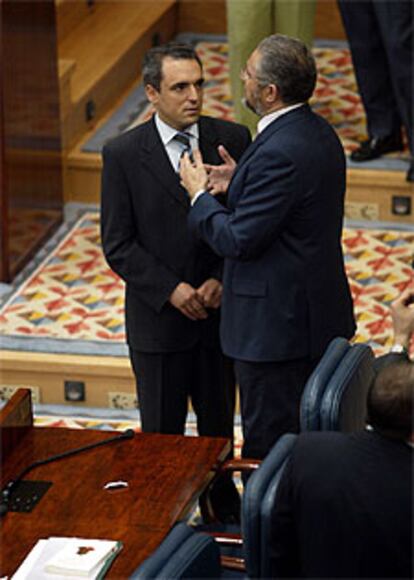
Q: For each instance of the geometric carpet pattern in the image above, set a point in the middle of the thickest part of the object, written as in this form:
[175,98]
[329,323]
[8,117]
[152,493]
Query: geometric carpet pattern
[74,296]
[335,98]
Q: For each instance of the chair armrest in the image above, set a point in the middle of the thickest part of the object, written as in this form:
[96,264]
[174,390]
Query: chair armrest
[232,563]
[226,538]
[243,464]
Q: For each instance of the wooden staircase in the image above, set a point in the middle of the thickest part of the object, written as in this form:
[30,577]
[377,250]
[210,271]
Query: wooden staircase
[100,45]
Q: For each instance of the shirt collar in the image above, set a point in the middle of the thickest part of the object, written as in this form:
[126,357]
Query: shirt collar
[269,118]
[167,133]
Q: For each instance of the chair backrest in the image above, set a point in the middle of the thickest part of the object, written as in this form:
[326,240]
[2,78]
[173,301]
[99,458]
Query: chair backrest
[260,487]
[344,402]
[183,554]
[317,383]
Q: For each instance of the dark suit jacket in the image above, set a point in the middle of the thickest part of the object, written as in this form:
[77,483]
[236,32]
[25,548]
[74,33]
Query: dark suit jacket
[344,508]
[145,235]
[285,290]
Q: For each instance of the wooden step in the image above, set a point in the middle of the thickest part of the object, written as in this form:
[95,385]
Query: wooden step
[107,379]
[101,56]
[370,193]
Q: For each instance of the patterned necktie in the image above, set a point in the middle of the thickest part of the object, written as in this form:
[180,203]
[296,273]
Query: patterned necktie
[184,140]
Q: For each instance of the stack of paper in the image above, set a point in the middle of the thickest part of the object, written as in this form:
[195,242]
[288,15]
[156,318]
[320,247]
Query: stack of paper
[54,558]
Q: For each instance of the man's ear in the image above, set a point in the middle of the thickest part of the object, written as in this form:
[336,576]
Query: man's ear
[152,94]
[271,94]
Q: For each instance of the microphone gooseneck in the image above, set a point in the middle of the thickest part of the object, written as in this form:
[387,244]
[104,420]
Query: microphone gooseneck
[6,491]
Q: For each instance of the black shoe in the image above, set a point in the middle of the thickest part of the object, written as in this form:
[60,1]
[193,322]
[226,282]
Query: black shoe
[410,172]
[377,146]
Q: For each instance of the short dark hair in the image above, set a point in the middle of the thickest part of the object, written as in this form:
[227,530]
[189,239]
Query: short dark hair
[152,62]
[390,400]
[287,63]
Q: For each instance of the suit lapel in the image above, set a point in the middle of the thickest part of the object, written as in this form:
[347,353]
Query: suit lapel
[155,158]
[208,141]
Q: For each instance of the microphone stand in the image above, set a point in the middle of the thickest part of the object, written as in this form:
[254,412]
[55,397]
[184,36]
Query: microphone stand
[6,491]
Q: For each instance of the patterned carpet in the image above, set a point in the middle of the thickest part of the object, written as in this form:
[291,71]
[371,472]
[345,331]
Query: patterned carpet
[74,303]
[336,98]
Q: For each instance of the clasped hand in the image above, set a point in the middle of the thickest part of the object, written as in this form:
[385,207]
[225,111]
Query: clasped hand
[193,302]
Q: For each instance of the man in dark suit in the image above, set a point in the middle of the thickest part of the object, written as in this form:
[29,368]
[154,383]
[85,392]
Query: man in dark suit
[344,504]
[173,287]
[285,292]
[380,34]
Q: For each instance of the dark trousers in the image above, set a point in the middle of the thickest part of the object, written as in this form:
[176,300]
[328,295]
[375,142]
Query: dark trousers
[167,381]
[380,34]
[270,394]
[165,384]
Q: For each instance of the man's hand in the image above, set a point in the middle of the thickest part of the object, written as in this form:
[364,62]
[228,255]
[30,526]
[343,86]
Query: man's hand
[219,175]
[193,175]
[210,292]
[402,313]
[188,301]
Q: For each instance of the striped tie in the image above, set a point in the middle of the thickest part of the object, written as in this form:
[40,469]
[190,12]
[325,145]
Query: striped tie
[184,140]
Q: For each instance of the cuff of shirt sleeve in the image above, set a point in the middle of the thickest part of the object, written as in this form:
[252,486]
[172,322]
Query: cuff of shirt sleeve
[197,195]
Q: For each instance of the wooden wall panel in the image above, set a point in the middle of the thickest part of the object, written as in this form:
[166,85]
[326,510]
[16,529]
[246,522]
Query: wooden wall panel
[32,160]
[209,16]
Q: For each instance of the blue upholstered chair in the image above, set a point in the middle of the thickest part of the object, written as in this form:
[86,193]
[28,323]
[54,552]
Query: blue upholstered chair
[184,553]
[257,505]
[334,398]
[316,384]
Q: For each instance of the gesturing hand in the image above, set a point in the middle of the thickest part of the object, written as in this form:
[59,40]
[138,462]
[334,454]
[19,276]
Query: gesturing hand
[187,300]
[193,175]
[402,313]
[219,175]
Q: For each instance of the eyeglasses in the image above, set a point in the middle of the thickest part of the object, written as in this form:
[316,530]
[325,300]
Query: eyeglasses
[245,75]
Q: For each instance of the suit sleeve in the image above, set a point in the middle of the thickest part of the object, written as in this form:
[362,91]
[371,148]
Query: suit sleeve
[149,278]
[268,191]
[283,549]
[236,145]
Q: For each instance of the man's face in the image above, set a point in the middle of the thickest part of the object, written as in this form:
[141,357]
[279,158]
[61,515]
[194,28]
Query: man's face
[180,98]
[252,89]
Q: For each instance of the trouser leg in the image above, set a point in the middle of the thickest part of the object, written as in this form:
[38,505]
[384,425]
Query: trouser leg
[270,396]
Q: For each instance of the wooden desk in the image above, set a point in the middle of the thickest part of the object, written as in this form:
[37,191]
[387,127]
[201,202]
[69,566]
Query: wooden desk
[166,474]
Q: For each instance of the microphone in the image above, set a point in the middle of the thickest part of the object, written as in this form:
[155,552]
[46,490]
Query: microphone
[6,491]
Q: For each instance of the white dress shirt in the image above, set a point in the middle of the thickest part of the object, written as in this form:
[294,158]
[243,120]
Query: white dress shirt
[173,148]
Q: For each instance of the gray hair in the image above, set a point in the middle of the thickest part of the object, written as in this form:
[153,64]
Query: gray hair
[152,62]
[287,63]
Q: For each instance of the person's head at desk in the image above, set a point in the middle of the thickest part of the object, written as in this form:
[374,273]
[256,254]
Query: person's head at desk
[390,402]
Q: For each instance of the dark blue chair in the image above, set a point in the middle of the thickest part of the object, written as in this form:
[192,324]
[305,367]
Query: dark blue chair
[316,384]
[184,553]
[334,398]
[257,505]
[344,402]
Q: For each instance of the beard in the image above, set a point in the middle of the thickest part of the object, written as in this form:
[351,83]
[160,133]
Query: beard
[253,105]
